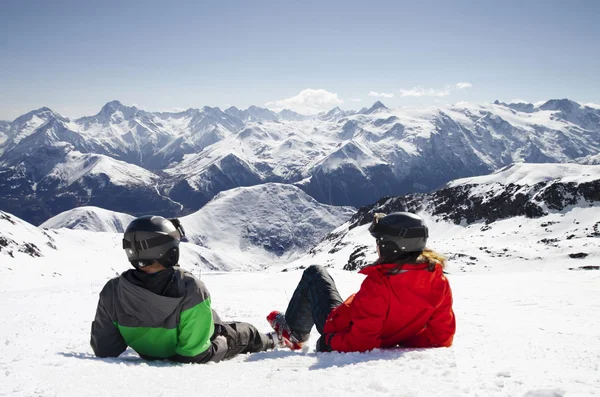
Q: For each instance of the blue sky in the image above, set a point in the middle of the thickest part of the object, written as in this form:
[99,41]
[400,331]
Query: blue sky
[74,56]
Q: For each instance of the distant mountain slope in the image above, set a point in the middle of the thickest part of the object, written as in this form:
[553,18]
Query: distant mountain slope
[19,238]
[71,179]
[245,228]
[533,211]
[263,223]
[339,157]
[93,219]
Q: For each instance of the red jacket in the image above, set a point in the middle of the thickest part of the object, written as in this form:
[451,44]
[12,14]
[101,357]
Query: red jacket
[409,309]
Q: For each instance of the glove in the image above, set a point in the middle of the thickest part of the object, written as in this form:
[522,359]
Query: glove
[324,343]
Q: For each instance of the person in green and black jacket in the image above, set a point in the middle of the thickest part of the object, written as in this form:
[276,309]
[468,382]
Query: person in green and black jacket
[162,311]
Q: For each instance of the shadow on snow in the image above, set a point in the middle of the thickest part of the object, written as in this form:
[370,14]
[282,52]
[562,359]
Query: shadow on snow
[129,357]
[287,359]
[333,359]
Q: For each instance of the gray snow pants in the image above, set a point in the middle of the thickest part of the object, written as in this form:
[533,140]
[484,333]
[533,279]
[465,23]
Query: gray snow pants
[241,337]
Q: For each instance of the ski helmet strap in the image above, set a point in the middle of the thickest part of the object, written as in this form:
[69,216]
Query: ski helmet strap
[177,223]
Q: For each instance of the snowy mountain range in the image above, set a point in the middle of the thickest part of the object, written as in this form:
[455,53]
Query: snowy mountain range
[534,211]
[129,160]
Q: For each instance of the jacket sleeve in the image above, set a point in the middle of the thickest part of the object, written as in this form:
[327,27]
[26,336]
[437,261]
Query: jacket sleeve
[440,329]
[368,312]
[196,328]
[106,340]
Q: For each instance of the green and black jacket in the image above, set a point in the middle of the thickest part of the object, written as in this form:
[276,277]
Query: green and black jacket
[178,327]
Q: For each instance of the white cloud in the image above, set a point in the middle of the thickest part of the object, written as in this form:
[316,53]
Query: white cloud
[381,94]
[518,100]
[355,99]
[592,105]
[308,101]
[419,91]
[173,110]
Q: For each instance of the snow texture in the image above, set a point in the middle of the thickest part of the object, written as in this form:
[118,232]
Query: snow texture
[522,331]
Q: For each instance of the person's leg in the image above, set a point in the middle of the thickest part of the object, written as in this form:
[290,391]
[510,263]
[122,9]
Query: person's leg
[244,338]
[313,300]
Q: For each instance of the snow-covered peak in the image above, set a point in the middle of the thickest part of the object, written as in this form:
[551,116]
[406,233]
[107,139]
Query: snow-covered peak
[79,165]
[253,113]
[531,174]
[212,110]
[350,154]
[42,113]
[27,124]
[377,106]
[263,223]
[290,115]
[114,105]
[93,219]
[518,106]
[334,113]
[564,105]
[235,112]
[112,113]
[570,111]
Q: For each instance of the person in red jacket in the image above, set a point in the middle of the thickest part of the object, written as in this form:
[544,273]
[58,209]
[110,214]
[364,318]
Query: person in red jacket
[405,300]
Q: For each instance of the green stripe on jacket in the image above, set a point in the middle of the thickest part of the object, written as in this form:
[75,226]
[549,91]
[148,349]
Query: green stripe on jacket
[190,338]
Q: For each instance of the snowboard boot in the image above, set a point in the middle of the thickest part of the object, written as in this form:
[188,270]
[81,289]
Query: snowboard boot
[274,341]
[285,335]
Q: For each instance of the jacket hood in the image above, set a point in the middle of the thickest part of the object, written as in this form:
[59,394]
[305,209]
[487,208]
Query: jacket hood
[143,305]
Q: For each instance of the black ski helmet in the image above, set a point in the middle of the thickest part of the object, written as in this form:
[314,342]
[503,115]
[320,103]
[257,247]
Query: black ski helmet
[153,238]
[398,233]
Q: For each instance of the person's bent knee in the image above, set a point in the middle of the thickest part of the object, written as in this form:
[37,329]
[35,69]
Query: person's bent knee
[314,269]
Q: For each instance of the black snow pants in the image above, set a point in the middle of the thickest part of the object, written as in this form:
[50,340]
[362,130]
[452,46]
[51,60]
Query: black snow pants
[314,298]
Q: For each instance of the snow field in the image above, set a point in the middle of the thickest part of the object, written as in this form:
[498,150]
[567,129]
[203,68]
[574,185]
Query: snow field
[519,334]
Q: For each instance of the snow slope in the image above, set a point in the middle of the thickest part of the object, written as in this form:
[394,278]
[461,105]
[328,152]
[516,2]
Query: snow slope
[78,165]
[530,332]
[58,256]
[531,174]
[93,219]
[263,224]
[544,214]
[241,229]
